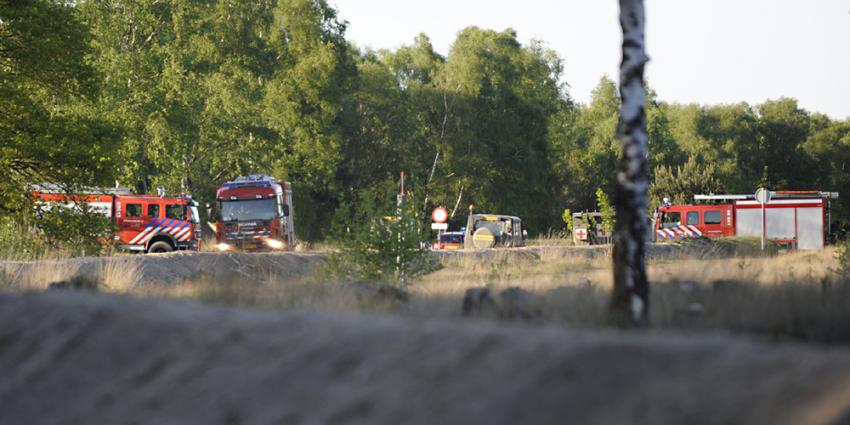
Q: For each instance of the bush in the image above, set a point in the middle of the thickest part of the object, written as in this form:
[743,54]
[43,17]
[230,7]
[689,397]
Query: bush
[79,230]
[17,241]
[380,238]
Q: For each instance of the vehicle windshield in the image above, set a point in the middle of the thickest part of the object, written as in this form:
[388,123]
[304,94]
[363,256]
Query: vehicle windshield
[671,219]
[451,238]
[251,209]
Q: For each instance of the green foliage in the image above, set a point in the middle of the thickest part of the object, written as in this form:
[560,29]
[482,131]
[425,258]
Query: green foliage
[607,211]
[18,242]
[485,114]
[567,216]
[48,131]
[78,230]
[682,184]
[587,150]
[187,95]
[380,238]
[58,229]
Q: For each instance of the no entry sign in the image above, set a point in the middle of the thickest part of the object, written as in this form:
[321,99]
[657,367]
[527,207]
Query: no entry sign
[440,215]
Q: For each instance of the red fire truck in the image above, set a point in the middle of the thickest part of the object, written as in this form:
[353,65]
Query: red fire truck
[254,213]
[798,219]
[145,223]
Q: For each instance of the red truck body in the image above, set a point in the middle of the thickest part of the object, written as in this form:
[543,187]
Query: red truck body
[142,221]
[795,219]
[255,213]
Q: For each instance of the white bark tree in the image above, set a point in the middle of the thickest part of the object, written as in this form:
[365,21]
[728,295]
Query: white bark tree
[630,298]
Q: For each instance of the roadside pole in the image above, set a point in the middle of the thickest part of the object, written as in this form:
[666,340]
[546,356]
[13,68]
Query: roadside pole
[763,197]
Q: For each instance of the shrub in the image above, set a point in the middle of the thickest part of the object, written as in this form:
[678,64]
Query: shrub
[607,210]
[17,241]
[380,238]
[567,216]
[79,230]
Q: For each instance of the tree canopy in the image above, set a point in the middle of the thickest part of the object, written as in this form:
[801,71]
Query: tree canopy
[186,94]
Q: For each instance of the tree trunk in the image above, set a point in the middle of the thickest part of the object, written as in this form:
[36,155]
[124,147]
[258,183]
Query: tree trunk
[630,298]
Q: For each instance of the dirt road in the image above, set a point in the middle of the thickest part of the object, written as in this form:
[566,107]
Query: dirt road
[81,358]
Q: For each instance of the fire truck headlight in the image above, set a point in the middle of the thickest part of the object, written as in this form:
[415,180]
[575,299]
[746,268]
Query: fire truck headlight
[223,247]
[274,243]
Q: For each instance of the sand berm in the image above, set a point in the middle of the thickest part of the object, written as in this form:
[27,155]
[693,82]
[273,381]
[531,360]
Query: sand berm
[88,358]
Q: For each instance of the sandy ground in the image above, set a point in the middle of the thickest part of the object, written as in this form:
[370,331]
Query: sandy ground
[82,358]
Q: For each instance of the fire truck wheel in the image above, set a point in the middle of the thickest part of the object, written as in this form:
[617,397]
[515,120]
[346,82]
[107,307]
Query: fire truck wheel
[159,247]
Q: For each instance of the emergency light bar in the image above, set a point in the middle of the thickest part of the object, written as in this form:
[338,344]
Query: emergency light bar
[721,197]
[779,194]
[251,183]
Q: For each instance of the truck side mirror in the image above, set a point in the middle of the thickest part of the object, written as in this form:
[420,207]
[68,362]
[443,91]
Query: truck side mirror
[285,210]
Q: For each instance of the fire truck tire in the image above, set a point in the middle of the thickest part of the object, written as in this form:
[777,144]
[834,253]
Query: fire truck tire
[160,247]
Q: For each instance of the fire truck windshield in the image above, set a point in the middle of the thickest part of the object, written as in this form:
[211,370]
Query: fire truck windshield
[250,209]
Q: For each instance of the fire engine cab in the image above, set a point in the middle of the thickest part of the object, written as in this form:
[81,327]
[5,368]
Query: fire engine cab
[254,213]
[797,219]
[145,223]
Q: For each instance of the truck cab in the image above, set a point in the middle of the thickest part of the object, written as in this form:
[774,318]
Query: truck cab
[694,221]
[254,213]
[151,223]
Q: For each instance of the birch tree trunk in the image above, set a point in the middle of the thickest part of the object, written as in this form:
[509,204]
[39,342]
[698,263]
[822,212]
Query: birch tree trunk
[630,298]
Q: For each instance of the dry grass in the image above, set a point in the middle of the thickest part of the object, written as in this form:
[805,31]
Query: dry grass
[29,275]
[117,273]
[120,273]
[290,295]
[552,238]
[795,294]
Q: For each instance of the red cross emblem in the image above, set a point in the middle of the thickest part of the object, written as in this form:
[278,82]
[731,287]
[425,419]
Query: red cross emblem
[581,234]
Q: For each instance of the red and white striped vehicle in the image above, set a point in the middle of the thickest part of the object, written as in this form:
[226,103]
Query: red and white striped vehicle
[145,223]
[798,219]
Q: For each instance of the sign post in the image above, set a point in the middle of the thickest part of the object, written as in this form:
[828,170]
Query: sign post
[440,215]
[763,197]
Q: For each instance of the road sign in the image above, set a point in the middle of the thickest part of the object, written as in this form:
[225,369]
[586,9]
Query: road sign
[439,226]
[440,215]
[763,195]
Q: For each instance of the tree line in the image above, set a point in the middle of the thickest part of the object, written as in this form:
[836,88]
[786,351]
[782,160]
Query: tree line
[188,94]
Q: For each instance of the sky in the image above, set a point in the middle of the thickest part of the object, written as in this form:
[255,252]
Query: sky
[706,52]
